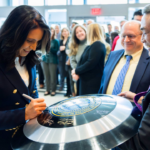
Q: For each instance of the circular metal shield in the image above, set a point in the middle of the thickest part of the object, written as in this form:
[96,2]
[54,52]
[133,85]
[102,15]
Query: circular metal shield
[90,122]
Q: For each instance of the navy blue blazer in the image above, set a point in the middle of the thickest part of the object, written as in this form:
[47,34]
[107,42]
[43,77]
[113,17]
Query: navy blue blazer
[141,78]
[12,103]
[90,68]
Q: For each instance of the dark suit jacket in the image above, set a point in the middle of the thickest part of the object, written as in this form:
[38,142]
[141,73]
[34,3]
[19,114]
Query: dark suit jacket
[12,103]
[90,68]
[62,56]
[141,141]
[141,78]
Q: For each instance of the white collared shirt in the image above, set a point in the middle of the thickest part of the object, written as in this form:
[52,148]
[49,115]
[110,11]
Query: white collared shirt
[22,70]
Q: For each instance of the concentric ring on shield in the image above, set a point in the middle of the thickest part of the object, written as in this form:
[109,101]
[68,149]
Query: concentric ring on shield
[78,118]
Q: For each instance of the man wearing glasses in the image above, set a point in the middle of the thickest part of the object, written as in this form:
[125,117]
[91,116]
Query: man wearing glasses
[141,141]
[127,69]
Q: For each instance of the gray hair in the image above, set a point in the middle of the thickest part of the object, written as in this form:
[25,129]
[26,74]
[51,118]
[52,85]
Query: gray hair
[57,26]
[146,9]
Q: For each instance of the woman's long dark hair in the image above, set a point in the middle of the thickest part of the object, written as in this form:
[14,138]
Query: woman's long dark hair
[15,30]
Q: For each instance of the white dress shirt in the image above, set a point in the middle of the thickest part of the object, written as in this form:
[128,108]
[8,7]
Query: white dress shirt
[22,70]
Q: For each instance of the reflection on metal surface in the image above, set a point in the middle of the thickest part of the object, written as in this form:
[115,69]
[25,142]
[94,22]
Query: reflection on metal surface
[75,106]
[65,122]
[46,119]
[88,130]
[111,119]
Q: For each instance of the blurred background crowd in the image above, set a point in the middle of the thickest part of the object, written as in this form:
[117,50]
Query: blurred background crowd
[68,46]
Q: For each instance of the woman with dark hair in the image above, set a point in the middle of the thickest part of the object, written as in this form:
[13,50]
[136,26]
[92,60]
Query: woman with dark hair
[50,62]
[22,33]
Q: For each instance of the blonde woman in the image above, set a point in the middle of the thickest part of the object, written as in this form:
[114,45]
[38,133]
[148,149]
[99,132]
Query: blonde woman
[90,67]
[62,57]
[77,46]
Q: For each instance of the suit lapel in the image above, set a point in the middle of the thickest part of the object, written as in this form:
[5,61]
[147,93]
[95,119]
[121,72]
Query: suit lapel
[15,79]
[143,62]
[114,59]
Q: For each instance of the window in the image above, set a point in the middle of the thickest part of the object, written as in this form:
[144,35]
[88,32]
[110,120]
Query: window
[36,2]
[77,2]
[17,2]
[131,12]
[79,21]
[113,20]
[93,2]
[3,3]
[56,16]
[2,21]
[138,1]
[55,2]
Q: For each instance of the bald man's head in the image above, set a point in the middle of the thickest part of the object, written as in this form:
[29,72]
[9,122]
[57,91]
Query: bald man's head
[131,36]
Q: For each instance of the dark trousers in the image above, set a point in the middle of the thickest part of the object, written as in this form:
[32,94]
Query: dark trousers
[77,84]
[41,75]
[70,78]
[57,73]
[68,86]
[116,148]
[62,72]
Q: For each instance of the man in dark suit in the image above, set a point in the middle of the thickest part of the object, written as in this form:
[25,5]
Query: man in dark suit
[141,140]
[137,76]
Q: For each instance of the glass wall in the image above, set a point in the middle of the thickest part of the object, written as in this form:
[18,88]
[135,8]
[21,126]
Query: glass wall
[56,16]
[17,2]
[93,2]
[131,12]
[77,2]
[113,20]
[3,3]
[55,2]
[2,19]
[36,2]
[139,1]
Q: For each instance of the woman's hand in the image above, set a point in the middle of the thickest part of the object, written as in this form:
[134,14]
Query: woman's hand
[35,108]
[73,72]
[127,94]
[62,48]
[75,77]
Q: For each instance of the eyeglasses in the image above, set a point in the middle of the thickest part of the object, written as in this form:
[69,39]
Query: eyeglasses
[130,36]
[146,33]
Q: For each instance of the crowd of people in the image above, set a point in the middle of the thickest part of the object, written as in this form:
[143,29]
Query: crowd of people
[84,56]
[79,56]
